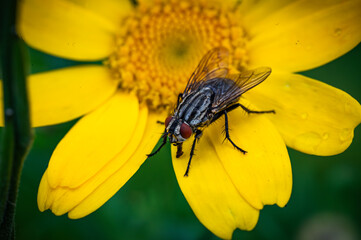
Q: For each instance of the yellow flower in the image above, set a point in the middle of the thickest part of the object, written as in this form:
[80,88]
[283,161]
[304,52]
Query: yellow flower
[150,51]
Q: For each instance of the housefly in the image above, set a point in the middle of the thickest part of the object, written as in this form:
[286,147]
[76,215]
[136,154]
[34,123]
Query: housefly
[211,92]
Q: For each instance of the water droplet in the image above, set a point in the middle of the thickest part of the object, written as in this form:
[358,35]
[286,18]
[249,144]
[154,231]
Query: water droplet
[325,136]
[346,134]
[308,141]
[304,116]
[337,32]
[348,108]
[287,85]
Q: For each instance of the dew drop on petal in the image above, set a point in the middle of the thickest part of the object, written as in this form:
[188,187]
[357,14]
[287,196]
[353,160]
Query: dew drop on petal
[304,116]
[287,86]
[348,107]
[308,140]
[337,32]
[346,134]
[325,136]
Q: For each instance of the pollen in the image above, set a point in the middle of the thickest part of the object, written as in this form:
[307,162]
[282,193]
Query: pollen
[158,48]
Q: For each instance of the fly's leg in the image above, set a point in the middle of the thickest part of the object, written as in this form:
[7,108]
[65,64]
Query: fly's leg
[164,136]
[179,150]
[226,128]
[196,137]
[224,112]
[247,110]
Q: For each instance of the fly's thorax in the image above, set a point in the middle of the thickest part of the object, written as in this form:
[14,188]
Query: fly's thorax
[195,107]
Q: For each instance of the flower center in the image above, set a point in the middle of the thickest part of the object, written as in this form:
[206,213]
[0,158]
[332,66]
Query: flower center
[158,48]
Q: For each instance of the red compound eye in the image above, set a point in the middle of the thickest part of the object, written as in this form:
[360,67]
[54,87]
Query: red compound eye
[185,131]
[167,120]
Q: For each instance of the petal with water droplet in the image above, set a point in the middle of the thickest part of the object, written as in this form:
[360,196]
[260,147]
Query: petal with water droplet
[313,117]
[302,34]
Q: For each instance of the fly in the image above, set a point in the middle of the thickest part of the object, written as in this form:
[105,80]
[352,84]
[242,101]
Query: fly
[211,92]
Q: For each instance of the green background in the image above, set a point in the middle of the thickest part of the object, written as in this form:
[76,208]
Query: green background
[325,201]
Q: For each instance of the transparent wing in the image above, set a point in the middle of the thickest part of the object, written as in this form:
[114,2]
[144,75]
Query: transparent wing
[213,65]
[249,79]
[237,85]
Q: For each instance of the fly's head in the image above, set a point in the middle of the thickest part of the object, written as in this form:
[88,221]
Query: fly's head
[177,130]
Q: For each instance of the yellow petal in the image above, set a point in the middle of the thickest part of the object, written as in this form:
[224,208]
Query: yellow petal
[107,189]
[66,29]
[62,95]
[99,135]
[253,12]
[113,10]
[68,196]
[226,188]
[44,193]
[263,175]
[311,116]
[210,192]
[86,198]
[305,34]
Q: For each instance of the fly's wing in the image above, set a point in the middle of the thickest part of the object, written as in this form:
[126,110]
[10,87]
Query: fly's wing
[212,65]
[239,84]
[249,79]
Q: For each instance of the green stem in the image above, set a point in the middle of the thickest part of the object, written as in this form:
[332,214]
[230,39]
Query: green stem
[17,134]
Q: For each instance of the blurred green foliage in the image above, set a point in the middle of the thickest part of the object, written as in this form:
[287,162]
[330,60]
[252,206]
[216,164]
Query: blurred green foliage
[325,200]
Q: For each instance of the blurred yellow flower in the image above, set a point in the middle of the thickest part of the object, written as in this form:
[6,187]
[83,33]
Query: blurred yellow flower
[150,51]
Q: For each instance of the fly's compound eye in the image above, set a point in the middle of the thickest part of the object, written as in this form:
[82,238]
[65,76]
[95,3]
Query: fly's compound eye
[185,131]
[167,120]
